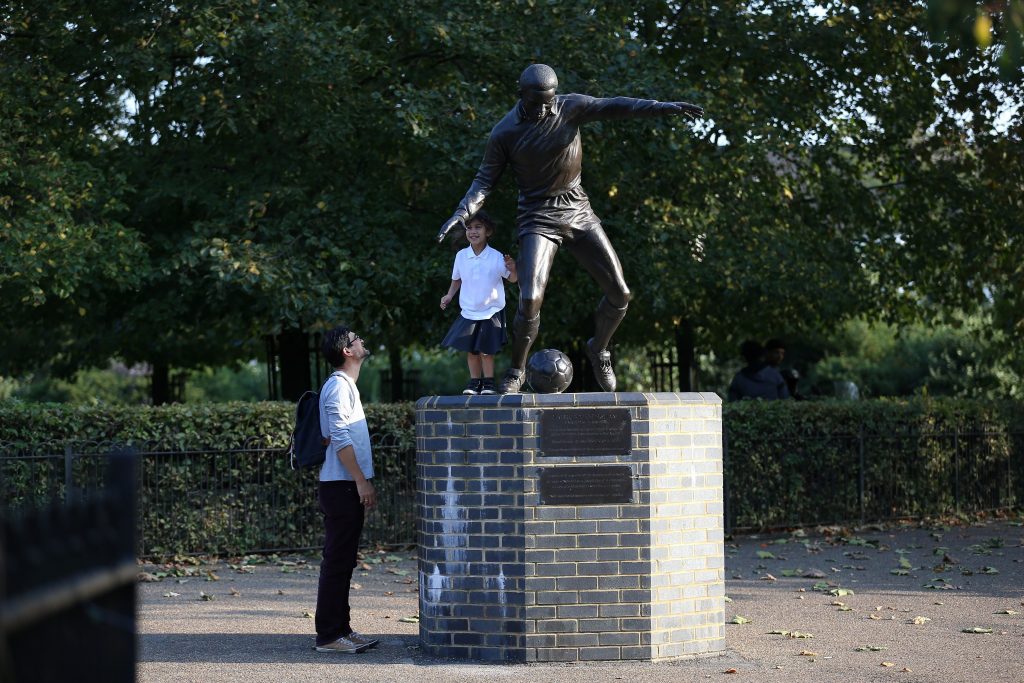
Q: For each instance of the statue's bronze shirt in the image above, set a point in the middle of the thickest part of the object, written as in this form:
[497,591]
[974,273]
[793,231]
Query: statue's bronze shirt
[546,158]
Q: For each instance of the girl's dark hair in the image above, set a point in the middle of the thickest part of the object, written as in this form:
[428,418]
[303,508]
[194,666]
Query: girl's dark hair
[484,218]
[458,237]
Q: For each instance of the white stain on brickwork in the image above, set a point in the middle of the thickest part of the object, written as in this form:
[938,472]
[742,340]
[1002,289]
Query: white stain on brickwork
[453,522]
[435,583]
[497,583]
[452,539]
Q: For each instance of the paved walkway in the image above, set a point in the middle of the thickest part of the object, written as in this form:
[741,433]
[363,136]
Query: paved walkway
[915,592]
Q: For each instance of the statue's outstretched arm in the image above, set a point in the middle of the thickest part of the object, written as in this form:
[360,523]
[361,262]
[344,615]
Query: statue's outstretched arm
[613,108]
[487,176]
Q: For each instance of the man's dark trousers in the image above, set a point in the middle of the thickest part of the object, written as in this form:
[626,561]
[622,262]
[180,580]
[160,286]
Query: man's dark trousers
[343,522]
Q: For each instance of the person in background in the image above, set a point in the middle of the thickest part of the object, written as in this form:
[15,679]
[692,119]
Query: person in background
[757,379]
[774,352]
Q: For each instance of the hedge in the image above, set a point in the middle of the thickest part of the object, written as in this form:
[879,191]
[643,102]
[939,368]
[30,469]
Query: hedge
[208,426]
[791,463]
[786,463]
[216,478]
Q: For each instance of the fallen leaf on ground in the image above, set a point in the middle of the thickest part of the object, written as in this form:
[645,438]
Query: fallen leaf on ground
[280,592]
[414,619]
[808,653]
[234,592]
[171,594]
[917,621]
[768,577]
[870,648]
[765,555]
[800,634]
[1006,611]
[727,598]
[840,592]
[888,664]
[738,619]
[976,629]
[205,596]
[778,633]
[146,577]
[729,671]
[307,614]
[814,574]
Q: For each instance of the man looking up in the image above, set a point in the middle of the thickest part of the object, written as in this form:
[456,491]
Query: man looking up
[539,139]
[345,492]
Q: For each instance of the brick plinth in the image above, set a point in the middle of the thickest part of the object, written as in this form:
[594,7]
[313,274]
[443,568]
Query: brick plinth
[505,577]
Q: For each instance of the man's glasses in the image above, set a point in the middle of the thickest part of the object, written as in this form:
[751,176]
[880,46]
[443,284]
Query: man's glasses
[353,340]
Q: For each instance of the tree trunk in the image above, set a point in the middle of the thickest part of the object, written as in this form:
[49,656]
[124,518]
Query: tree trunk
[160,384]
[293,351]
[397,377]
[686,353]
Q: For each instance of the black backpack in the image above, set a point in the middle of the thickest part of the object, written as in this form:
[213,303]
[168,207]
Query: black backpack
[308,447]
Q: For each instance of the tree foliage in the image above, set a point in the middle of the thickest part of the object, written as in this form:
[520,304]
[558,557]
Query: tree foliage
[178,179]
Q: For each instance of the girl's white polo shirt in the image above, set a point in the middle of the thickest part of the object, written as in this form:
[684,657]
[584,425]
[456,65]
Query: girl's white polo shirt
[482,293]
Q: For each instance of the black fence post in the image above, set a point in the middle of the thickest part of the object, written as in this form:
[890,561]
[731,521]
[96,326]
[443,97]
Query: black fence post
[956,468]
[1011,499]
[69,494]
[725,482]
[861,475]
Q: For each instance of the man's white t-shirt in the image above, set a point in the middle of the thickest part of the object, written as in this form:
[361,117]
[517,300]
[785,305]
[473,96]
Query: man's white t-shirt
[482,293]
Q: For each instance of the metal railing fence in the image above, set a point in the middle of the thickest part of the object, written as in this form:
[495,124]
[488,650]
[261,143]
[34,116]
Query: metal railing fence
[230,501]
[249,500]
[830,478]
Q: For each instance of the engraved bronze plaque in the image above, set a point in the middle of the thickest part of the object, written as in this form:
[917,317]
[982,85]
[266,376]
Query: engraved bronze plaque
[586,431]
[586,485]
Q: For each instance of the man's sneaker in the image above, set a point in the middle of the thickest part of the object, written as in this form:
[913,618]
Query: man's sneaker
[601,361]
[472,387]
[512,382]
[344,645]
[360,639]
[487,386]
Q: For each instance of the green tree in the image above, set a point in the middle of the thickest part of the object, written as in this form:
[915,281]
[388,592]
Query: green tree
[233,169]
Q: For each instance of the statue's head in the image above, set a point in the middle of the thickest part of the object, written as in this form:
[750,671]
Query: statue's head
[537,86]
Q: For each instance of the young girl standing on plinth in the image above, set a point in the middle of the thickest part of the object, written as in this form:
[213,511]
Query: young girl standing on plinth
[480,328]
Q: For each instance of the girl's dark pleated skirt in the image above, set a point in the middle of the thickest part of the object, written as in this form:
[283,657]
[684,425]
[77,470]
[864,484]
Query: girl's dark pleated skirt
[477,336]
